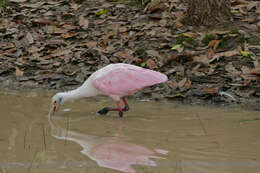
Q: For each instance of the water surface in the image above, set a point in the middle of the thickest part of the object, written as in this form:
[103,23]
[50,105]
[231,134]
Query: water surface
[153,137]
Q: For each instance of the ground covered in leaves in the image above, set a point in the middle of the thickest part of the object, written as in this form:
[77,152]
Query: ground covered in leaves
[58,44]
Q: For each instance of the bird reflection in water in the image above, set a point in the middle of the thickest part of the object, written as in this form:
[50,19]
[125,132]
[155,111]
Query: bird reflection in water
[109,152]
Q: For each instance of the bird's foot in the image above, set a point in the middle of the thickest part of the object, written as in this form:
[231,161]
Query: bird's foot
[120,114]
[103,111]
[126,108]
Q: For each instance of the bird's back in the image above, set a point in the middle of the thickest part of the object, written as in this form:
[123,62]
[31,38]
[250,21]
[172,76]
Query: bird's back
[125,79]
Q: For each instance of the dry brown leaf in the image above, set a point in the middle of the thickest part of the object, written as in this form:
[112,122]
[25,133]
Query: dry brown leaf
[18,72]
[154,6]
[69,27]
[151,64]
[187,83]
[180,15]
[216,45]
[173,84]
[99,21]
[123,29]
[201,59]
[182,83]
[210,53]
[212,43]
[69,35]
[91,44]
[225,54]
[153,53]
[190,34]
[29,38]
[42,22]
[255,72]
[9,46]
[127,54]
[138,60]
[178,24]
[10,66]
[83,22]
[232,70]
[210,90]
[57,30]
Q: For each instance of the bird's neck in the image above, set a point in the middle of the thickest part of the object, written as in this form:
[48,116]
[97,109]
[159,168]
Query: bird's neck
[86,90]
[71,95]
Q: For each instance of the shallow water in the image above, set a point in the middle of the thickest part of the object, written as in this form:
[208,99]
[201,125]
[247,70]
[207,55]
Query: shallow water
[154,137]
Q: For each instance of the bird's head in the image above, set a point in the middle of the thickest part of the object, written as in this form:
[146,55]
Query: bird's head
[56,101]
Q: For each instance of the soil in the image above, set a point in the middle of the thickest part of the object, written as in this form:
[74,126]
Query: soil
[57,45]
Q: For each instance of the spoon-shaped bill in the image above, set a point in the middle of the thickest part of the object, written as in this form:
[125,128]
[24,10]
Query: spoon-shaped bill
[53,109]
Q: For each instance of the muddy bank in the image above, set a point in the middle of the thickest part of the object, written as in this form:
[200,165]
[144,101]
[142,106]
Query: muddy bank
[57,44]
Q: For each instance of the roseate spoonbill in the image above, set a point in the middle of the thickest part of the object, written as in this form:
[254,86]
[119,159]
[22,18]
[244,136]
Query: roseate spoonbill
[114,80]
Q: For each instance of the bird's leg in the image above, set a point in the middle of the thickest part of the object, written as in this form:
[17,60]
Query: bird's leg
[107,109]
[126,108]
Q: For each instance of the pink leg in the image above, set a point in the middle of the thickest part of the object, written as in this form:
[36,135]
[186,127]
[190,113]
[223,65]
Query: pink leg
[106,109]
[126,108]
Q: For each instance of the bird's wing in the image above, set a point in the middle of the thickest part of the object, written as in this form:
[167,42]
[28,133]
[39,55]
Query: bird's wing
[125,81]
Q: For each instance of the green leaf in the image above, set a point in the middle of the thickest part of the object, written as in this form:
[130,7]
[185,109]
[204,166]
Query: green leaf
[143,64]
[101,12]
[244,53]
[177,46]
[234,11]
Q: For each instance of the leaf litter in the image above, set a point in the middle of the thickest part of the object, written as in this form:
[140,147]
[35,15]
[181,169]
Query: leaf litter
[58,44]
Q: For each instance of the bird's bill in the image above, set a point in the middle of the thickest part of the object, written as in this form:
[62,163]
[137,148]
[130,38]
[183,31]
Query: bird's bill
[54,108]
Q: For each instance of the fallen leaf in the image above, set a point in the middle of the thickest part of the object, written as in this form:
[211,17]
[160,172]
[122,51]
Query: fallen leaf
[234,11]
[210,90]
[10,66]
[151,64]
[143,64]
[210,53]
[138,60]
[58,30]
[152,53]
[127,54]
[177,46]
[69,35]
[255,72]
[232,70]
[42,22]
[190,34]
[178,24]
[83,22]
[214,44]
[101,12]
[91,44]
[224,54]
[18,72]
[244,53]
[154,6]
[123,29]
[29,38]
[182,83]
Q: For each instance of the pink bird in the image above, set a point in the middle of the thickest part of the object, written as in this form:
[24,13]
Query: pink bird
[114,80]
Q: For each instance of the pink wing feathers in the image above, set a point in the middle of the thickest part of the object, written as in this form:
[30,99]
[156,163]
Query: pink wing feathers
[126,80]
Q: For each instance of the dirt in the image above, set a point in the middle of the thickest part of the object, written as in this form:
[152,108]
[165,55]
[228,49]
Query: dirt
[56,45]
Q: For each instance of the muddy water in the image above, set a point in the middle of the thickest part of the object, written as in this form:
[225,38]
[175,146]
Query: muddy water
[152,137]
